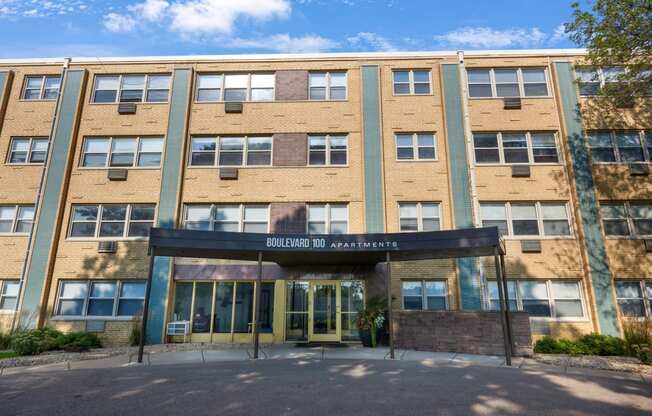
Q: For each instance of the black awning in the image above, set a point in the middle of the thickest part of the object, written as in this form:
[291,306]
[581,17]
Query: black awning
[297,249]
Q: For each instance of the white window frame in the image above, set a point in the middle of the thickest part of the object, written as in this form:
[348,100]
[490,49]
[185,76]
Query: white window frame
[245,151]
[98,222]
[643,140]
[539,213]
[3,284]
[328,85]
[529,146]
[249,88]
[647,301]
[632,235]
[241,208]
[601,79]
[107,162]
[30,150]
[120,84]
[327,161]
[520,80]
[16,220]
[327,216]
[551,298]
[411,81]
[424,295]
[416,147]
[419,216]
[87,298]
[43,83]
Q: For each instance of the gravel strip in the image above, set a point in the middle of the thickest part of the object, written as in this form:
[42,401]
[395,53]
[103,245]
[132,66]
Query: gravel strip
[626,364]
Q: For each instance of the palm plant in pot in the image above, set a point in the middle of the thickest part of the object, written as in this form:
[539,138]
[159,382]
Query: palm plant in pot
[370,319]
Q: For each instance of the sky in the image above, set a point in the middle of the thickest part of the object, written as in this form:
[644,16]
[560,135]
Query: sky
[58,28]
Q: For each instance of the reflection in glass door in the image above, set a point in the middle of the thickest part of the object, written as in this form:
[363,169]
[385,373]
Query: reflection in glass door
[296,312]
[325,325]
[352,303]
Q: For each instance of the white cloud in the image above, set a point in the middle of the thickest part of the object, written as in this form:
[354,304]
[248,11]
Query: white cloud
[40,8]
[283,42]
[369,40]
[486,37]
[152,10]
[114,22]
[559,34]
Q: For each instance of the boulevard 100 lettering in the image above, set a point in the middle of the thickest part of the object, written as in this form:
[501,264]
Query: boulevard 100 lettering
[317,243]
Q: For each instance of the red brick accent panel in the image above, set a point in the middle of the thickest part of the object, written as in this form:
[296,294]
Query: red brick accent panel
[288,217]
[477,332]
[290,149]
[291,85]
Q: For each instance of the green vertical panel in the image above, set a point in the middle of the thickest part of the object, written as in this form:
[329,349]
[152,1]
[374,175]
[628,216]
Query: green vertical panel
[46,217]
[459,171]
[597,255]
[371,134]
[167,206]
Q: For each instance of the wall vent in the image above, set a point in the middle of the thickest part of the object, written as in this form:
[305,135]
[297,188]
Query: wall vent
[107,247]
[530,246]
[232,107]
[127,108]
[520,171]
[512,103]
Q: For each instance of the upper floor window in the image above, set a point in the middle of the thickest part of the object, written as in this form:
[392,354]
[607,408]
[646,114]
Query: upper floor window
[103,152]
[515,148]
[415,146]
[152,88]
[327,85]
[541,298]
[28,150]
[634,298]
[105,298]
[235,87]
[430,295]
[411,82]
[111,221]
[231,151]
[327,150]
[16,219]
[527,219]
[8,294]
[507,82]
[591,80]
[420,216]
[248,218]
[626,218]
[620,146]
[44,87]
[328,219]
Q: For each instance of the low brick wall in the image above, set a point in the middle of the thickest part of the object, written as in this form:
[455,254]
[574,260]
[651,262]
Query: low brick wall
[459,331]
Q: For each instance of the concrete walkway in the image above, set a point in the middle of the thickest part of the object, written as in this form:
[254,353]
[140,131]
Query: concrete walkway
[288,352]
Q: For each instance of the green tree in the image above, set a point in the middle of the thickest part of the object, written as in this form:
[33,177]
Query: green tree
[616,33]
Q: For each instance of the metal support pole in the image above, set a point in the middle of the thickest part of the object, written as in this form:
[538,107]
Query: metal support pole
[259,282]
[508,316]
[501,295]
[388,288]
[148,291]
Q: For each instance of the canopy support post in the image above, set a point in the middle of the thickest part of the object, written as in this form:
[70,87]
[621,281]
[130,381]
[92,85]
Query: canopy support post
[259,282]
[503,317]
[148,291]
[507,311]
[388,288]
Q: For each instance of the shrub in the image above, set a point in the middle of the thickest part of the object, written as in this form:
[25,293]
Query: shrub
[596,344]
[547,345]
[78,341]
[637,333]
[35,341]
[134,335]
[5,341]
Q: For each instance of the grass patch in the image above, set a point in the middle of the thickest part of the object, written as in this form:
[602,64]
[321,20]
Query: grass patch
[7,354]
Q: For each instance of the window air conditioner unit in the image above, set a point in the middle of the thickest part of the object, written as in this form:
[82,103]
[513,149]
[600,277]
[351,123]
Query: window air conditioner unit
[233,107]
[520,171]
[648,245]
[512,103]
[228,173]
[117,174]
[127,108]
[530,246]
[638,169]
[107,247]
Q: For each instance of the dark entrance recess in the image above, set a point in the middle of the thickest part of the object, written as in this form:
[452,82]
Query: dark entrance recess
[349,249]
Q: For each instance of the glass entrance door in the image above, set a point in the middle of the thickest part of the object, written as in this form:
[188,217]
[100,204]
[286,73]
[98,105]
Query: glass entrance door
[325,323]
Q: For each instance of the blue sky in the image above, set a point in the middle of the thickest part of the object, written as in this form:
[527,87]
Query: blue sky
[45,28]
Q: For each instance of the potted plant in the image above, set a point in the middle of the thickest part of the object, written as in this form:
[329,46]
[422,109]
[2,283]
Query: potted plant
[370,319]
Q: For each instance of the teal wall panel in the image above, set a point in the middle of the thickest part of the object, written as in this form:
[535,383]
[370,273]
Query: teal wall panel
[459,170]
[597,255]
[373,184]
[46,217]
[167,207]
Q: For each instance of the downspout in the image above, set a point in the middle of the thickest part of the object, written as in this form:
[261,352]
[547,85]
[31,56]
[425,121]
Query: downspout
[30,238]
[468,134]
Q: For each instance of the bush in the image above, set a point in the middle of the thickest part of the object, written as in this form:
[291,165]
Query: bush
[637,333]
[593,344]
[35,341]
[5,341]
[78,342]
[134,335]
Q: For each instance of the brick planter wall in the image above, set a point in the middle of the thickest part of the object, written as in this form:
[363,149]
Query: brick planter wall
[477,332]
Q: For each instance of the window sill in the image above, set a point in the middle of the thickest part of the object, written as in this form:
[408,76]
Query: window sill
[413,95]
[93,318]
[416,160]
[564,320]
[51,100]
[628,237]
[501,98]
[506,165]
[646,162]
[96,240]
[268,167]
[139,103]
[14,234]
[7,312]
[83,168]
[20,165]
[272,101]
[538,237]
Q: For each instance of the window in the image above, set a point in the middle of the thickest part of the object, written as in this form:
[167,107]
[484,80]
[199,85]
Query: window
[231,151]
[415,146]
[558,299]
[430,295]
[327,150]
[111,221]
[248,218]
[41,87]
[16,219]
[152,88]
[626,218]
[235,87]
[28,150]
[9,294]
[511,148]
[123,152]
[411,82]
[105,298]
[591,80]
[327,85]
[619,146]
[542,219]
[507,82]
[328,219]
[634,298]
[421,216]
